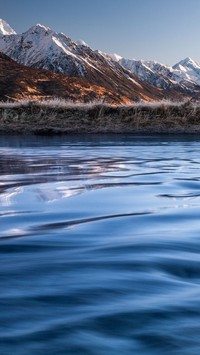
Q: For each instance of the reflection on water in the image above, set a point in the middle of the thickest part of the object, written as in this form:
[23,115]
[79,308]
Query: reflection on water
[99,245]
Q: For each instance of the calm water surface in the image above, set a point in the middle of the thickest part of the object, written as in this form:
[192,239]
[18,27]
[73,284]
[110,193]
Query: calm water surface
[100,245]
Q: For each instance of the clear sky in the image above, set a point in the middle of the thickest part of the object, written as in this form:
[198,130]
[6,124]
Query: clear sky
[162,30]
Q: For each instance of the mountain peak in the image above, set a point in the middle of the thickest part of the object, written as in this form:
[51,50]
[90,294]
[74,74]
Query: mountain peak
[186,62]
[5,28]
[38,25]
[38,28]
[188,59]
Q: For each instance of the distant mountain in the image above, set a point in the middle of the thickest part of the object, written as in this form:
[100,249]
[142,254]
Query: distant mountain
[187,70]
[183,76]
[42,48]
[5,28]
[154,73]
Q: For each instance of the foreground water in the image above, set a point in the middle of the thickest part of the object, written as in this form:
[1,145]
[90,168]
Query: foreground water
[100,245]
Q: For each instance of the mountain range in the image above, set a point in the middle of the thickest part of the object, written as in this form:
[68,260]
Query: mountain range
[116,79]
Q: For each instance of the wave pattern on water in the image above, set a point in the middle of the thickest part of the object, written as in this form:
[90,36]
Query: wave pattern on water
[99,245]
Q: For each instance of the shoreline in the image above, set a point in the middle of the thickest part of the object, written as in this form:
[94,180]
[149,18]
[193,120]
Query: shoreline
[68,118]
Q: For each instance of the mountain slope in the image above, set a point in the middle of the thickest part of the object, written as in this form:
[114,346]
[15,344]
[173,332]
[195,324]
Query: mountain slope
[21,82]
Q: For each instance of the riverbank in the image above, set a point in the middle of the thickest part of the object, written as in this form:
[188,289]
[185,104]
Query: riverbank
[66,118]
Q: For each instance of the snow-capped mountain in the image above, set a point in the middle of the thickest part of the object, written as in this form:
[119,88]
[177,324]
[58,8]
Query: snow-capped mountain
[187,70]
[42,48]
[184,75]
[154,73]
[5,28]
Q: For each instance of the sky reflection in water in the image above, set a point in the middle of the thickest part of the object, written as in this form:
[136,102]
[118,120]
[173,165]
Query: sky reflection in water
[99,245]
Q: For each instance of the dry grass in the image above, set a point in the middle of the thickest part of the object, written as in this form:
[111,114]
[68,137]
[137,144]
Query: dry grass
[51,103]
[60,116]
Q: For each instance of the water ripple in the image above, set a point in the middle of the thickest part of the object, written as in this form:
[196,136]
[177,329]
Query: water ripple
[99,245]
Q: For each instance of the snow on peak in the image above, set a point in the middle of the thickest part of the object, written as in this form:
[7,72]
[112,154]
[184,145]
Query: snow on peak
[5,28]
[38,25]
[187,62]
[115,57]
[80,42]
[38,28]
[188,69]
[188,59]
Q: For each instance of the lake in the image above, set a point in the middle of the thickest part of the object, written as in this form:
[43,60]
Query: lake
[99,245]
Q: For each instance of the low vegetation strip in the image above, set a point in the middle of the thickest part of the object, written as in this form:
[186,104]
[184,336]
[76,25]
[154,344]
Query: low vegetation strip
[57,116]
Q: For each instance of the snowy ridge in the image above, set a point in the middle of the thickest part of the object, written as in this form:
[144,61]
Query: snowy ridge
[156,74]
[44,48]
[185,74]
[81,42]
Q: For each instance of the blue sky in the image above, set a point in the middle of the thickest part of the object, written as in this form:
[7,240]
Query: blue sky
[162,30]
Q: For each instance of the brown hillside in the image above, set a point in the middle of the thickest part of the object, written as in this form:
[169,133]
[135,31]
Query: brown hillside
[19,82]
